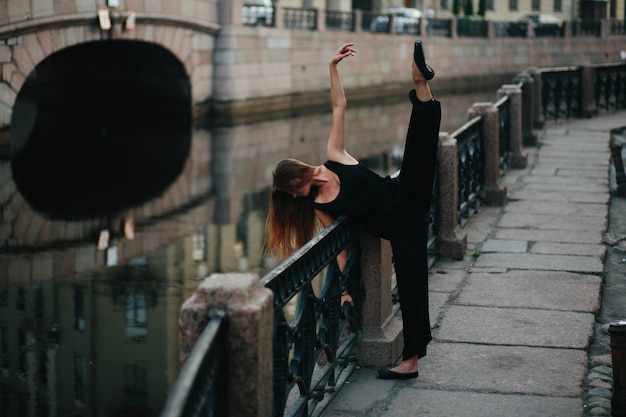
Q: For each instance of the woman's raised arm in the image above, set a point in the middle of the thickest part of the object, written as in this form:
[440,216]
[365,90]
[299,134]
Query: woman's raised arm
[336,148]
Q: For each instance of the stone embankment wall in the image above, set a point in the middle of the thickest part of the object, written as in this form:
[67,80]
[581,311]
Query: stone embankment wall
[260,70]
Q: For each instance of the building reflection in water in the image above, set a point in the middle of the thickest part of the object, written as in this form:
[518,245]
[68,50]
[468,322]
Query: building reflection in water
[94,332]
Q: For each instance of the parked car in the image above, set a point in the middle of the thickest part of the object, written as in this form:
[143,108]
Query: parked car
[406,20]
[542,24]
[258,12]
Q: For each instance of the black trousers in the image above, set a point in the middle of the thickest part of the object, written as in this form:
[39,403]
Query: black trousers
[409,245]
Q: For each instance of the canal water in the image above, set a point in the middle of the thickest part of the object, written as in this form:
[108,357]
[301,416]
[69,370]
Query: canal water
[111,215]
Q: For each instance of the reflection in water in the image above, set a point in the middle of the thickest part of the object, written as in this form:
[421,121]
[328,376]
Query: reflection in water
[85,331]
[81,147]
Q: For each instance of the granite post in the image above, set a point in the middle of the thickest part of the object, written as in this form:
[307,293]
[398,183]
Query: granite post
[516,158]
[493,193]
[538,119]
[452,241]
[587,99]
[382,341]
[529,138]
[249,313]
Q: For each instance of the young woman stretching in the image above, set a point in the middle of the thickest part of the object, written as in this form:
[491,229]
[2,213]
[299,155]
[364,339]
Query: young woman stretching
[390,208]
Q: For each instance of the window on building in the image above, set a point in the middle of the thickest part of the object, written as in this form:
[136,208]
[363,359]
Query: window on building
[79,379]
[4,348]
[536,5]
[79,309]
[445,5]
[558,5]
[136,313]
[135,387]
[39,301]
[513,5]
[20,301]
[491,5]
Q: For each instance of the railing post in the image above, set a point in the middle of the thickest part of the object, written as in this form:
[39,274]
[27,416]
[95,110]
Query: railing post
[516,158]
[320,14]
[358,20]
[249,315]
[587,100]
[451,240]
[454,32]
[538,119]
[617,330]
[279,21]
[491,32]
[382,341]
[529,138]
[494,193]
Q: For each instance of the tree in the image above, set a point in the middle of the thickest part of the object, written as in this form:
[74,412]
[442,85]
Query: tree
[482,8]
[468,10]
[456,7]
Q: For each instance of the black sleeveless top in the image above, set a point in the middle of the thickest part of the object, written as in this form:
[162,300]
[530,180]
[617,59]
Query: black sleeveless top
[377,202]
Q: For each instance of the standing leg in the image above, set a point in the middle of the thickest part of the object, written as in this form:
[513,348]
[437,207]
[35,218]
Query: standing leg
[411,265]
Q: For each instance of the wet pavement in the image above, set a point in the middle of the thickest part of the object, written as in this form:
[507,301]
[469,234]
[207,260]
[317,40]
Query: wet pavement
[520,324]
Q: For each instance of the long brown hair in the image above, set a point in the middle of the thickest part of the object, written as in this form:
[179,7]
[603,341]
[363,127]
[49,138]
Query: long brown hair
[291,222]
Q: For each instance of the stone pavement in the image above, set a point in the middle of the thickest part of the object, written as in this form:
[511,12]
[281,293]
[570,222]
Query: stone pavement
[514,321]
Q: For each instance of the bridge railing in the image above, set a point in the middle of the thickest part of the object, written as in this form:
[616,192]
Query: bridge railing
[379,22]
[305,353]
[581,91]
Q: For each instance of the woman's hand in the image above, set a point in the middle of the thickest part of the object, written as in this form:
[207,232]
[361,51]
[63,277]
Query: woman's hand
[343,51]
[346,298]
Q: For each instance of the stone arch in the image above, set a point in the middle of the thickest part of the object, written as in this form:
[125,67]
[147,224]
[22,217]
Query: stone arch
[193,45]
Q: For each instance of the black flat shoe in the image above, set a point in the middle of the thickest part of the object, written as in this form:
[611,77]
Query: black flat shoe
[418,56]
[389,374]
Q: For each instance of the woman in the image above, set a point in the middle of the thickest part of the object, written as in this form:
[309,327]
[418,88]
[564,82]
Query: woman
[394,209]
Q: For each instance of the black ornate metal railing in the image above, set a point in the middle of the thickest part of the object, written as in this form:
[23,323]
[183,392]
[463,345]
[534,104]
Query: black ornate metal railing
[561,92]
[340,20]
[586,27]
[617,27]
[439,27]
[471,163]
[471,28]
[313,348]
[200,386]
[610,87]
[295,18]
[504,130]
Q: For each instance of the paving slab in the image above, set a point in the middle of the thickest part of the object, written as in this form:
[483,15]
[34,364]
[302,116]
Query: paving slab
[502,369]
[551,222]
[475,404]
[532,261]
[556,290]
[516,326]
[564,196]
[550,207]
[502,245]
[568,249]
[560,236]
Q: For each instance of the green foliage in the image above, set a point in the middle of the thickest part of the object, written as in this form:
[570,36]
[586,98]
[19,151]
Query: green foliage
[468,9]
[456,7]
[482,8]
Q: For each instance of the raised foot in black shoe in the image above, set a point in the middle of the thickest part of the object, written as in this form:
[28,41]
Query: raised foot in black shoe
[387,373]
[418,56]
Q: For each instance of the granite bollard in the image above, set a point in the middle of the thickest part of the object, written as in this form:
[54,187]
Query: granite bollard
[249,313]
